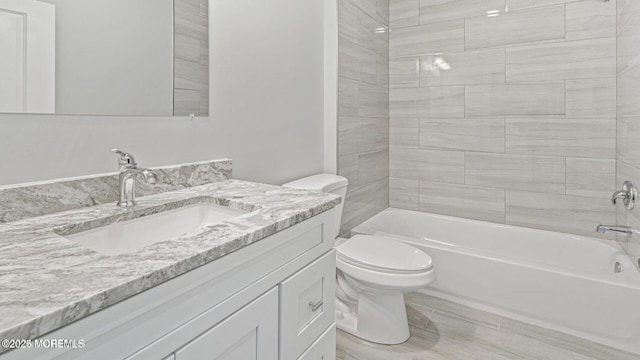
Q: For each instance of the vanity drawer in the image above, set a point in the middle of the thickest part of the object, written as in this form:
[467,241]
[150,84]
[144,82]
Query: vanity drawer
[324,348]
[307,305]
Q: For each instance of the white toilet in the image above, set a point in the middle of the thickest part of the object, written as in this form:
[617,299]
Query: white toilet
[373,272]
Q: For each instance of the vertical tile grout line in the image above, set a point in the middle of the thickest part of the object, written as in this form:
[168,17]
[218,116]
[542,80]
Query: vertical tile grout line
[504,129]
[565,98]
[615,156]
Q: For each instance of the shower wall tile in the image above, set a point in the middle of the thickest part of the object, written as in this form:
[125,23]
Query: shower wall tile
[463,134]
[573,214]
[626,171]
[373,167]
[347,21]
[583,59]
[562,137]
[371,36]
[628,80]
[363,107]
[430,165]
[427,39]
[515,99]
[404,13]
[382,193]
[382,66]
[359,205]
[441,101]
[382,134]
[628,108]
[591,98]
[513,5]
[628,129]
[631,245]
[356,135]
[375,9]
[628,33]
[470,67]
[404,72]
[382,11]
[519,172]
[463,201]
[357,62]
[515,96]
[441,10]
[404,133]
[347,97]
[511,28]
[591,19]
[348,167]
[373,100]
[404,194]
[591,177]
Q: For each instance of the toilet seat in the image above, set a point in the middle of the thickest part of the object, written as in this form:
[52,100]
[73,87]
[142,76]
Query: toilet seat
[370,260]
[384,255]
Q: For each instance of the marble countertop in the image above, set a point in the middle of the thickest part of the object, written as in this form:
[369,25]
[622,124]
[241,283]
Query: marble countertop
[48,281]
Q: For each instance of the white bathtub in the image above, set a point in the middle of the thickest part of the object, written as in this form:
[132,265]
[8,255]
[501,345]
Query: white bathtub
[558,281]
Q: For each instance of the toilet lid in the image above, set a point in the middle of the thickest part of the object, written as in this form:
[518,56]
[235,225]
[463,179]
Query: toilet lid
[383,253]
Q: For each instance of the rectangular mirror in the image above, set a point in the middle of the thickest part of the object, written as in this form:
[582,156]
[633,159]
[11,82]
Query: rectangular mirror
[104,57]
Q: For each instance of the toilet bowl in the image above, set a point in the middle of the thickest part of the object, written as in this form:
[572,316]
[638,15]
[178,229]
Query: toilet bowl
[372,274]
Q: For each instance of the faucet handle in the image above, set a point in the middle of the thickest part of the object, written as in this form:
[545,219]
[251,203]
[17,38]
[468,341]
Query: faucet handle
[628,194]
[126,160]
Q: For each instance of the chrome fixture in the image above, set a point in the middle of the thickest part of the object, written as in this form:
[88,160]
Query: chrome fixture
[628,194]
[614,228]
[617,267]
[127,178]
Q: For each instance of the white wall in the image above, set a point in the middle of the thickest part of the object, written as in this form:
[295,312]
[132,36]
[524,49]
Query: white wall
[102,69]
[267,109]
[267,78]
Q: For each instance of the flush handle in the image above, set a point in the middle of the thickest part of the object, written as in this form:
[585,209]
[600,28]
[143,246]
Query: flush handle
[315,306]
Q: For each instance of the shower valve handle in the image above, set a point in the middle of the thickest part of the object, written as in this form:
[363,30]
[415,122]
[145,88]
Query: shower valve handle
[628,194]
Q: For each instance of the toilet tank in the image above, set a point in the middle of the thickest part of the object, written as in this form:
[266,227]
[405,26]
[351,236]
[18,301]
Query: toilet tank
[328,183]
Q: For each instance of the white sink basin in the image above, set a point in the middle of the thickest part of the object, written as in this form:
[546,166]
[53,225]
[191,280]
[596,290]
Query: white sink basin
[135,234]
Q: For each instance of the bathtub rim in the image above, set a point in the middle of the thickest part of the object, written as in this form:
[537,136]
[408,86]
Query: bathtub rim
[629,278]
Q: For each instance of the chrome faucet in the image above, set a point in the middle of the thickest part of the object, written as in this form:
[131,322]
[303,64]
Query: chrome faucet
[628,195]
[614,228]
[129,170]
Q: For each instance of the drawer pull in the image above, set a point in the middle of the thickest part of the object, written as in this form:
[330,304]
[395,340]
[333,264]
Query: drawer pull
[316,306]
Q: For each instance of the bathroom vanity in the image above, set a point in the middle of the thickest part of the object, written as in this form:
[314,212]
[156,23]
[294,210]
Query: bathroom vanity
[259,285]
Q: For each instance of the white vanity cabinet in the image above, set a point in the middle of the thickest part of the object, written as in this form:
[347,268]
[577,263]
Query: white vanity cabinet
[273,299]
[251,334]
[307,306]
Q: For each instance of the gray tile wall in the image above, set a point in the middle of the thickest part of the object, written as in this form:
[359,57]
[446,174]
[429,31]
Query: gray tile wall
[191,57]
[509,116]
[628,105]
[363,107]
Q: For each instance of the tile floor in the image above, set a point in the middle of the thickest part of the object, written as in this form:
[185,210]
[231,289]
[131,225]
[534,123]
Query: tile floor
[444,330]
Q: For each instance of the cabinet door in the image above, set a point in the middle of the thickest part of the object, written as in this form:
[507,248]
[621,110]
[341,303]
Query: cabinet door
[324,348]
[307,306]
[250,333]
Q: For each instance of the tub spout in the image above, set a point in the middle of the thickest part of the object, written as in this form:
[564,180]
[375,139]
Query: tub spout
[614,228]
